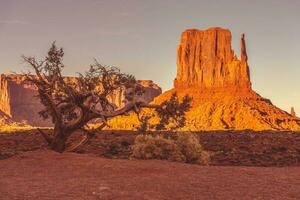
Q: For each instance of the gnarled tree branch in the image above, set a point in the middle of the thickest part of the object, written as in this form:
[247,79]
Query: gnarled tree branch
[72,104]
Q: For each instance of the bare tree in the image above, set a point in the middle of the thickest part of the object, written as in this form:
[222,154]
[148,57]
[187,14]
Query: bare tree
[72,103]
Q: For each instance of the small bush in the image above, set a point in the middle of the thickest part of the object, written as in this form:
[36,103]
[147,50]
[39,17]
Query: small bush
[180,147]
[191,148]
[116,147]
[155,147]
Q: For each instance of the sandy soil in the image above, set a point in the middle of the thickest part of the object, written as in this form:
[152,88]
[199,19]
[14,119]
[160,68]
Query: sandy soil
[47,175]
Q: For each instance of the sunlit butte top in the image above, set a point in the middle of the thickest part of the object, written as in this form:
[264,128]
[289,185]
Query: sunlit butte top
[205,59]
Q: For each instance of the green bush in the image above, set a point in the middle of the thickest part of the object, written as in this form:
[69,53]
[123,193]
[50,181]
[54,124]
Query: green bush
[180,147]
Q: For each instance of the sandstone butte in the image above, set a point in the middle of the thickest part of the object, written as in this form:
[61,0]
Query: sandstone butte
[19,104]
[219,83]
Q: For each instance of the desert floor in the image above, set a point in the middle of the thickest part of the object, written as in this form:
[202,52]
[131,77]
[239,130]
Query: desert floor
[48,175]
[237,171]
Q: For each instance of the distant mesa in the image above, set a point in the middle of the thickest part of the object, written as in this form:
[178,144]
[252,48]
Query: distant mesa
[19,101]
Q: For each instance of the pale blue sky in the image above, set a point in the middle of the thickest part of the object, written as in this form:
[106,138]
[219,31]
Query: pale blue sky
[140,36]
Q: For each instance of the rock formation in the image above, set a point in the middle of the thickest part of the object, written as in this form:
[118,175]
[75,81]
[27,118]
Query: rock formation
[4,119]
[18,101]
[293,113]
[219,83]
[205,60]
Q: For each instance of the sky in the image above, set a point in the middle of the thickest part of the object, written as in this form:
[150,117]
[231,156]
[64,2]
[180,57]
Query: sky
[140,37]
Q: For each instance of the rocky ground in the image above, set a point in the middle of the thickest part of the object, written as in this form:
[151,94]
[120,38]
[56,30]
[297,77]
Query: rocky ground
[227,148]
[30,171]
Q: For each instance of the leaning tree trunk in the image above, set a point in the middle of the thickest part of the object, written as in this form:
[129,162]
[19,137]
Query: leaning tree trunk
[58,143]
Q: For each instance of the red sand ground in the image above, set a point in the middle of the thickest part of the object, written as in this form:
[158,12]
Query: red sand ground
[47,175]
[29,172]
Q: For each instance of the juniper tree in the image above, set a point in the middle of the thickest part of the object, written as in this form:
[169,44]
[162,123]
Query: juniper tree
[72,104]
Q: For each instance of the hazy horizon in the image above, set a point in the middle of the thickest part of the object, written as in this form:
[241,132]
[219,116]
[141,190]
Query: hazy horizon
[140,37]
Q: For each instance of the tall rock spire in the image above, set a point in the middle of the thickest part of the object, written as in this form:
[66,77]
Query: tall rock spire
[244,57]
[205,60]
[293,113]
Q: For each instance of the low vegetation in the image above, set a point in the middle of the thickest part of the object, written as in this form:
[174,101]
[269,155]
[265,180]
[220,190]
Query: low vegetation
[180,147]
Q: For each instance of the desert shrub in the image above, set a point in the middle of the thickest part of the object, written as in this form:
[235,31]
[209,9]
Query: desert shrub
[191,148]
[180,147]
[116,146]
[156,147]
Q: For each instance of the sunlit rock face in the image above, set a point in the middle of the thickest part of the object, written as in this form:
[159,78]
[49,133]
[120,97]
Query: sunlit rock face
[4,119]
[219,83]
[205,60]
[19,101]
